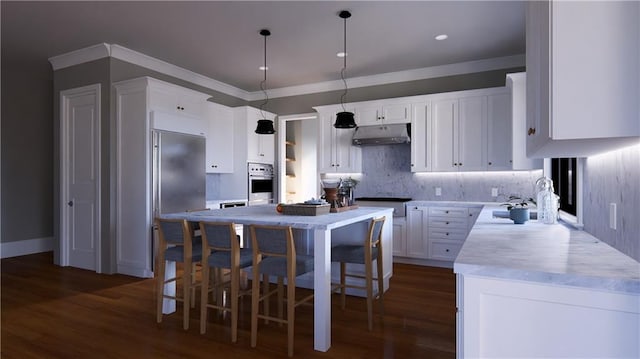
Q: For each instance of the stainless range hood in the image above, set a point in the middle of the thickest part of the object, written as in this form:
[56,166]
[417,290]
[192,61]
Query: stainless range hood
[381,134]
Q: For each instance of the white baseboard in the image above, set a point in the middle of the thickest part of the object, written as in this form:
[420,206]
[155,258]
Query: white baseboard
[27,246]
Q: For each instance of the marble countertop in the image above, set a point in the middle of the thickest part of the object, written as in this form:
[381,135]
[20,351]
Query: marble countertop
[550,254]
[266,214]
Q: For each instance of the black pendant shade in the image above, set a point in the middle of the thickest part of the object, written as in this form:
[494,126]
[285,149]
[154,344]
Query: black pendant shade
[265,127]
[344,120]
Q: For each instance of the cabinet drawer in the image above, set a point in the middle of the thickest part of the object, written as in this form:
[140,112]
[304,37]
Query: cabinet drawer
[455,234]
[448,222]
[445,250]
[449,211]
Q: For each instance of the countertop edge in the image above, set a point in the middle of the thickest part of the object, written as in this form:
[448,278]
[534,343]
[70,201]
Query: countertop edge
[484,233]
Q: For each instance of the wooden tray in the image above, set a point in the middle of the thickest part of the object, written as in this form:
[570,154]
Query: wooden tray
[302,209]
[342,209]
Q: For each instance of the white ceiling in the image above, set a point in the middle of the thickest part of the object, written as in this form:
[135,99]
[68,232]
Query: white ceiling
[220,40]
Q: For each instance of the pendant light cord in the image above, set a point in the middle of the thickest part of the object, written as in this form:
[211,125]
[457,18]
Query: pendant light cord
[264,82]
[344,66]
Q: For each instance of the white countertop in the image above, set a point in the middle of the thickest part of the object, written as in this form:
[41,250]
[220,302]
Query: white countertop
[550,254]
[266,214]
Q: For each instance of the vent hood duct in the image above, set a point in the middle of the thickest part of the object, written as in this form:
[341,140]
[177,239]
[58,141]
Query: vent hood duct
[382,134]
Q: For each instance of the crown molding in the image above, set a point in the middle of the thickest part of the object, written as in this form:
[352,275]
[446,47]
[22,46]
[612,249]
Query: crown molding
[102,50]
[398,76]
[80,56]
[140,59]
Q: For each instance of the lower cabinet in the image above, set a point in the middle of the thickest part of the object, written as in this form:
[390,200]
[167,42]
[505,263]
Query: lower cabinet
[436,232]
[399,236]
[508,318]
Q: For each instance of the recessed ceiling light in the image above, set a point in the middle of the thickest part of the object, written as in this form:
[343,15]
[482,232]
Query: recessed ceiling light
[341,54]
[442,37]
[263,68]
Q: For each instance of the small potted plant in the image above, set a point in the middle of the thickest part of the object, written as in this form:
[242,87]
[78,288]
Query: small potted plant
[518,209]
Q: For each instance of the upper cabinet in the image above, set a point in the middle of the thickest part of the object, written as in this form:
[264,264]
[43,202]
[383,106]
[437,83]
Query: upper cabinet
[515,128]
[260,148]
[421,137]
[583,77]
[382,112]
[458,136]
[220,154]
[336,154]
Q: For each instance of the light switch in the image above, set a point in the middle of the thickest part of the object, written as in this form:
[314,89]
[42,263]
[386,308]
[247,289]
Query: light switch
[612,216]
[438,191]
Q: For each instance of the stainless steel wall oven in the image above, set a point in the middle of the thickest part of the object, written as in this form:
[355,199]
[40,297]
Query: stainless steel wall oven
[260,186]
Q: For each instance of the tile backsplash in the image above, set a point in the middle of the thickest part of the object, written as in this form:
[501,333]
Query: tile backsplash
[614,178]
[386,171]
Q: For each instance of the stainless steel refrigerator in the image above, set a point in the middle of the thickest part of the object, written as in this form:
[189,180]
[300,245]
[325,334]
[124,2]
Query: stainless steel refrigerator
[179,178]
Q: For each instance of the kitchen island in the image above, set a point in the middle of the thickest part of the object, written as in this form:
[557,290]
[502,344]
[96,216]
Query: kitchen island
[538,290]
[320,230]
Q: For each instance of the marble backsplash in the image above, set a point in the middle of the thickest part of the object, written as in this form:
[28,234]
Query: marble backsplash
[386,171]
[614,178]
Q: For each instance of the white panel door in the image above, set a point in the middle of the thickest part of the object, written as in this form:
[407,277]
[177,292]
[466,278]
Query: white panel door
[80,171]
[472,135]
[444,137]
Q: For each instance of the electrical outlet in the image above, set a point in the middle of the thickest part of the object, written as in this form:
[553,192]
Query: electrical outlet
[494,192]
[438,191]
[612,216]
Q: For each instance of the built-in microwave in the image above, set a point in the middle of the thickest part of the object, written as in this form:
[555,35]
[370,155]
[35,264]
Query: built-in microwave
[260,183]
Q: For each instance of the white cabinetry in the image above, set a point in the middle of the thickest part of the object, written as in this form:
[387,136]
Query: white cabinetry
[421,137]
[458,136]
[437,232]
[448,228]
[335,151]
[499,138]
[260,148]
[382,112]
[517,84]
[141,105]
[399,236]
[583,77]
[219,158]
[507,318]
[417,246]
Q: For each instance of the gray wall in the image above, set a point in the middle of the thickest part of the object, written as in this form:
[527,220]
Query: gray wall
[27,142]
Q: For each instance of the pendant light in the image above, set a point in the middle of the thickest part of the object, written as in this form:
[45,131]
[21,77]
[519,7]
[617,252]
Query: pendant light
[265,126]
[344,119]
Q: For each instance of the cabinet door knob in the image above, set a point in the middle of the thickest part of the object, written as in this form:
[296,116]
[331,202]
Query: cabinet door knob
[446,222]
[531,131]
[460,164]
[446,250]
[490,163]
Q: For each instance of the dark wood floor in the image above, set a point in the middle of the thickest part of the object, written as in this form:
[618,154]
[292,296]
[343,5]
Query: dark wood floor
[54,312]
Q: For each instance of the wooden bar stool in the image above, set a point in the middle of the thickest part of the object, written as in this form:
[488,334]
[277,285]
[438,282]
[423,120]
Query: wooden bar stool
[274,254]
[369,251]
[175,244]
[221,250]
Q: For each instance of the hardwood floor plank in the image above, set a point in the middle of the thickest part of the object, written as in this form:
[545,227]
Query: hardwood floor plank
[59,312]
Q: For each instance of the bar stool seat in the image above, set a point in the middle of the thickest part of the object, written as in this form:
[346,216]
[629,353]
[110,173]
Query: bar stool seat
[366,253]
[175,243]
[221,250]
[274,254]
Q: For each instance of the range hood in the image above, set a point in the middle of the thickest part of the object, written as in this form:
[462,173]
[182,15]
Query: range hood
[382,134]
